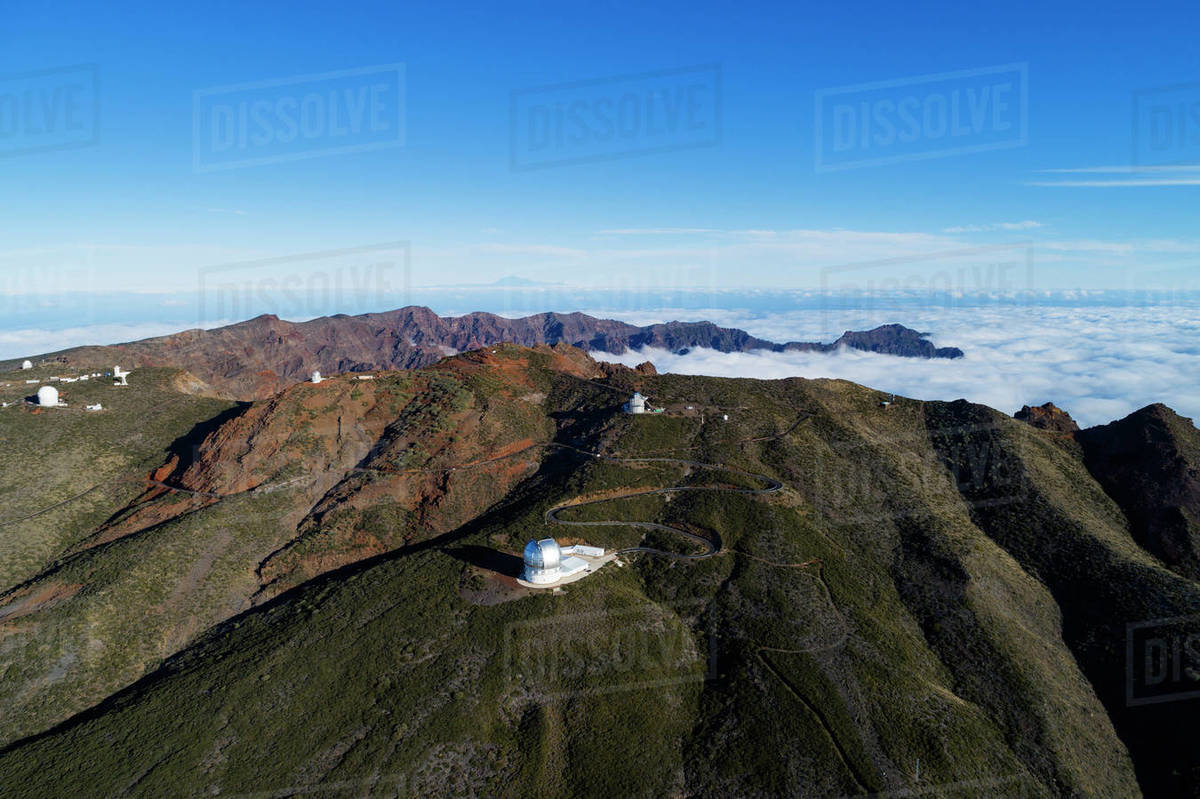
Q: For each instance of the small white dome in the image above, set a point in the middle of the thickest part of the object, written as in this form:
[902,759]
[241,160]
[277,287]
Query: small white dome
[27,364]
[47,396]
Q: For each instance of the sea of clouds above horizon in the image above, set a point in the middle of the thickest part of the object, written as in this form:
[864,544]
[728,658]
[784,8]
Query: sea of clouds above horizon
[1099,363]
[1097,359]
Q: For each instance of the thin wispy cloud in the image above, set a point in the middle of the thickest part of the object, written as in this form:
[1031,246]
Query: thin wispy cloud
[656,231]
[1175,181]
[533,249]
[1140,246]
[1132,176]
[1027,224]
[28,342]
[1123,169]
[726,257]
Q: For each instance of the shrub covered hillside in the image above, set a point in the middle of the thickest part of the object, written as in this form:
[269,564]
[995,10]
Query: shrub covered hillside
[318,599]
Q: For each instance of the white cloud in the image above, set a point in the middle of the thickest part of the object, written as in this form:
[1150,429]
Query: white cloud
[1098,363]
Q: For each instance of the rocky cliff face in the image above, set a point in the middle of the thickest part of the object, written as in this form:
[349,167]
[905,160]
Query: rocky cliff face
[259,357]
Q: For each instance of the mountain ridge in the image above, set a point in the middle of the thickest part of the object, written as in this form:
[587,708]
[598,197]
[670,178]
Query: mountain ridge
[257,357]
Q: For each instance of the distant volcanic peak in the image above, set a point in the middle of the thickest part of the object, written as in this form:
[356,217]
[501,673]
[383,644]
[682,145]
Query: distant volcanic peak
[515,280]
[1047,417]
[894,339]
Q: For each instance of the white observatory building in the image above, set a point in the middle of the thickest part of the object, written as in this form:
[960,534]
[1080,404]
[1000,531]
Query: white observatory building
[47,397]
[316,377]
[119,377]
[547,564]
[636,404]
[27,364]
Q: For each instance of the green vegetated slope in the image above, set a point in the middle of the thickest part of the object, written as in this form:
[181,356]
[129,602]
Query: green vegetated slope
[313,479]
[63,471]
[935,601]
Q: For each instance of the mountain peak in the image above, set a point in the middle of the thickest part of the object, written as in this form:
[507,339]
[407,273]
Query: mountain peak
[1149,462]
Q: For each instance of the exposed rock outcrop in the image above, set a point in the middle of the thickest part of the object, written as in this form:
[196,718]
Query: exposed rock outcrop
[1047,417]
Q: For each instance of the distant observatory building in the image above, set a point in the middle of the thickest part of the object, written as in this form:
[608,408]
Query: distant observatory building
[636,404]
[47,397]
[27,364]
[547,564]
[316,377]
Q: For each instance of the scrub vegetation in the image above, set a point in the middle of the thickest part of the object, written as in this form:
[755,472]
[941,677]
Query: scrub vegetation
[935,601]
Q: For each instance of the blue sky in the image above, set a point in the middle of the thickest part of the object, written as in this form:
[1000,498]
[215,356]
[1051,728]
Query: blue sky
[747,207]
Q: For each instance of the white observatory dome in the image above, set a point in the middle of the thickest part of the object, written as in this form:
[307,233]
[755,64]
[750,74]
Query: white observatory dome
[47,396]
[27,364]
[542,559]
[636,404]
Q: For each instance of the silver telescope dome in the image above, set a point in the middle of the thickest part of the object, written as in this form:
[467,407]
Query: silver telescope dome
[542,560]
[544,554]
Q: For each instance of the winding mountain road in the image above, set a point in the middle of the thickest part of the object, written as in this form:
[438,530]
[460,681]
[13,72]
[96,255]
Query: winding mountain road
[710,547]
